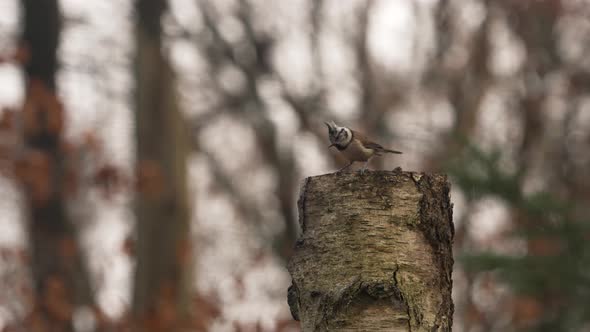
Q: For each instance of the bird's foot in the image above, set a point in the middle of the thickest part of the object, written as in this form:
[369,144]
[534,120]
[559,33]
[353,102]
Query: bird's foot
[340,171]
[343,168]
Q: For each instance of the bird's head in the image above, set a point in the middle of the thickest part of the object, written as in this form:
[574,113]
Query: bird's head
[339,136]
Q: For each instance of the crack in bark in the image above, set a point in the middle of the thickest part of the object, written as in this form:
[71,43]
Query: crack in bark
[293,300]
[301,203]
[400,295]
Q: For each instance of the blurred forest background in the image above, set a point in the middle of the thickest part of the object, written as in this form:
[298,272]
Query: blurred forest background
[151,152]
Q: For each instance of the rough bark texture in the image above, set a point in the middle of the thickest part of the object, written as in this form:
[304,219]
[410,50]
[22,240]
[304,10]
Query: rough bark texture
[161,288]
[375,253]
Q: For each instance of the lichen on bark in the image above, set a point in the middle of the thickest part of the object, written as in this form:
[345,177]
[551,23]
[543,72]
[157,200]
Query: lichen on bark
[375,253]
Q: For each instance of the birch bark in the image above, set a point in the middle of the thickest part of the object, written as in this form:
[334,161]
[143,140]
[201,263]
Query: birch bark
[375,253]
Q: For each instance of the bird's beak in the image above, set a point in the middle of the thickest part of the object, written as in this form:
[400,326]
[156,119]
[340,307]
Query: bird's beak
[331,145]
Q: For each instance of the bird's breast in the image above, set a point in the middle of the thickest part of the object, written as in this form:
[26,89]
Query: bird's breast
[355,151]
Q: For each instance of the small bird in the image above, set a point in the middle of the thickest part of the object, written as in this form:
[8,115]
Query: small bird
[353,145]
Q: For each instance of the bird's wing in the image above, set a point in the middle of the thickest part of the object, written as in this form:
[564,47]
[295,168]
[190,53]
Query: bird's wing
[367,143]
[373,145]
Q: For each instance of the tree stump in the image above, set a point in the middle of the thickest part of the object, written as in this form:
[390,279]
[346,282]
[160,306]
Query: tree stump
[375,253]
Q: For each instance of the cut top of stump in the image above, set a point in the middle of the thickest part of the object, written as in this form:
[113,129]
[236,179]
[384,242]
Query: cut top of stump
[375,253]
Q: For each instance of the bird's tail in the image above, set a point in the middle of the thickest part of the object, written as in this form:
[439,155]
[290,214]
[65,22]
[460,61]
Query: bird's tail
[392,151]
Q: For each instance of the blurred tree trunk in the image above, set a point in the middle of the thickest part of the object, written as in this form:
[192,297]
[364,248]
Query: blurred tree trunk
[60,280]
[375,253]
[161,290]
